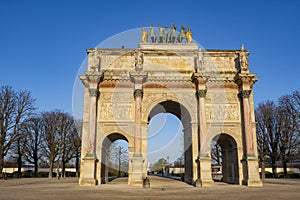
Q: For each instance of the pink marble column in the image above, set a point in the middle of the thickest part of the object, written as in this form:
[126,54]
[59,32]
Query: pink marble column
[245,94]
[93,92]
[138,94]
[202,120]
[138,79]
[200,83]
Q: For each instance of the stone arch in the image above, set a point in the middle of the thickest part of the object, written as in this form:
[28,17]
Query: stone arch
[213,134]
[107,141]
[182,113]
[148,107]
[230,165]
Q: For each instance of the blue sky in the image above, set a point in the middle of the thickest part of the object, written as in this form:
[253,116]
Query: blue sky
[43,43]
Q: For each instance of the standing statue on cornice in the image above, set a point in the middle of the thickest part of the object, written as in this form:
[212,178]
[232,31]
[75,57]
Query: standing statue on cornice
[160,34]
[144,36]
[243,59]
[188,35]
[172,38]
[138,61]
[181,35]
[166,34]
[199,61]
[152,34]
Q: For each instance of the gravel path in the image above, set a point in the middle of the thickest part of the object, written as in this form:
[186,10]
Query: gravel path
[160,188]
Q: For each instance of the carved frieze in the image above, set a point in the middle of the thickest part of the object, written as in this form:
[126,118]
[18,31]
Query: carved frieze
[220,112]
[220,64]
[106,111]
[115,97]
[221,97]
[173,62]
[124,62]
[115,111]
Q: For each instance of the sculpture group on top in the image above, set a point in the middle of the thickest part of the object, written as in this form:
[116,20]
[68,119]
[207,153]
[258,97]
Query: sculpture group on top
[167,36]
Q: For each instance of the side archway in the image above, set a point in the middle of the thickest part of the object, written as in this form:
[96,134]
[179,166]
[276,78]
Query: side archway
[108,140]
[225,146]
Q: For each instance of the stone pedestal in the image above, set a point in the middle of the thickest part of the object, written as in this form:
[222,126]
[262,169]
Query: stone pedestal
[87,177]
[137,178]
[251,173]
[205,172]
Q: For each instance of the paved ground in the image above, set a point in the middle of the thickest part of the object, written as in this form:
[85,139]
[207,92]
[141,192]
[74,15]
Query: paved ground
[161,188]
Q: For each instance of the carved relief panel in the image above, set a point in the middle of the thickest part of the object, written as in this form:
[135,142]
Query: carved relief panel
[222,106]
[116,106]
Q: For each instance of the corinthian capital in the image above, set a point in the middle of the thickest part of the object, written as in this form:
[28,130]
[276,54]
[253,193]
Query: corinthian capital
[245,93]
[138,93]
[201,93]
[93,92]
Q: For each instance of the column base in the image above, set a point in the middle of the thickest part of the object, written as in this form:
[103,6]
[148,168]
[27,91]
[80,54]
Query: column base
[203,183]
[88,182]
[251,173]
[204,179]
[254,183]
[137,178]
[88,172]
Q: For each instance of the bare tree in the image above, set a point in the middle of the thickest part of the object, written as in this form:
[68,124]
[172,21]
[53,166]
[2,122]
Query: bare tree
[288,126]
[61,140]
[68,133]
[118,156]
[295,110]
[77,144]
[268,133]
[216,153]
[18,147]
[34,129]
[262,141]
[15,108]
[179,162]
[51,137]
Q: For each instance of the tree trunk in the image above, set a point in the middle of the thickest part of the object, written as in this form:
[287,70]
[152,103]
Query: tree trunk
[284,165]
[63,171]
[19,165]
[274,170]
[51,168]
[77,164]
[35,164]
[263,169]
[36,168]
[1,160]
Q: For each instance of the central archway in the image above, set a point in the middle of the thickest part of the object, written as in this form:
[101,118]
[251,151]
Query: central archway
[184,116]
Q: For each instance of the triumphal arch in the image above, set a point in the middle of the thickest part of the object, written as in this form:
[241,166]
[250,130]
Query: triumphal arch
[210,91]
